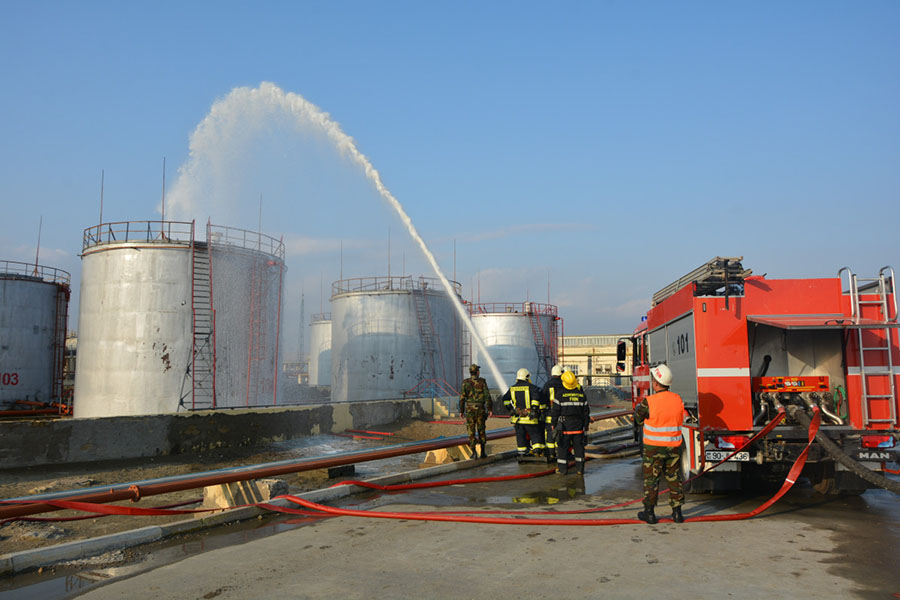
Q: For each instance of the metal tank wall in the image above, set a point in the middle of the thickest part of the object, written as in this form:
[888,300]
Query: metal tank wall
[247,279]
[320,350]
[135,342]
[506,330]
[33,309]
[377,349]
[134,323]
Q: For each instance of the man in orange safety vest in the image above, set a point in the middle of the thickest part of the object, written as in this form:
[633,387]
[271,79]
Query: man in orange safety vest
[661,414]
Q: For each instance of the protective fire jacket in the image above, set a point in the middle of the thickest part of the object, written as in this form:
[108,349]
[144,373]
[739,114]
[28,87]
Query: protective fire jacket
[662,426]
[570,410]
[523,396]
[548,394]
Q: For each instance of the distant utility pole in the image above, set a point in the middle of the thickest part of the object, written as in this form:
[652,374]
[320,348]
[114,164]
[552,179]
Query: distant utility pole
[301,340]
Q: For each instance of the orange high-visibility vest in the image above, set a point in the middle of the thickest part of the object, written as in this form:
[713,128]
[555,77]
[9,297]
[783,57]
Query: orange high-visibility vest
[663,426]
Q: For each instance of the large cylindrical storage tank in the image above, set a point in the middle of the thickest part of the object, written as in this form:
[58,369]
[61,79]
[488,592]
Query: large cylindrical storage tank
[320,350]
[247,279]
[34,302]
[149,341]
[393,336]
[517,335]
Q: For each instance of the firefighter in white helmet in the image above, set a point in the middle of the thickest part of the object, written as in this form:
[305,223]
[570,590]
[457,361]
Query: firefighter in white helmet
[661,414]
[523,400]
[547,398]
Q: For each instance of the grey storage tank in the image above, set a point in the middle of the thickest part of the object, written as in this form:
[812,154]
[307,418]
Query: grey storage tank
[320,350]
[517,335]
[394,336]
[170,320]
[34,302]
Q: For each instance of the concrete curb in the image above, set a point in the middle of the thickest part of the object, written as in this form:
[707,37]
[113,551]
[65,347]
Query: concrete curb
[18,562]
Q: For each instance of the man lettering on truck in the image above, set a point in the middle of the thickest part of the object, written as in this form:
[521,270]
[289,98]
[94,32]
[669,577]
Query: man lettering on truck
[661,414]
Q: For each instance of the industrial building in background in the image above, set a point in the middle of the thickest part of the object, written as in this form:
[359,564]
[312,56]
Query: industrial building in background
[170,321]
[393,337]
[33,320]
[592,358]
[517,335]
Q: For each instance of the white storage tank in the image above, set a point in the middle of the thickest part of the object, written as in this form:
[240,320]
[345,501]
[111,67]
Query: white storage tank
[34,302]
[517,335]
[320,350]
[170,322]
[393,336]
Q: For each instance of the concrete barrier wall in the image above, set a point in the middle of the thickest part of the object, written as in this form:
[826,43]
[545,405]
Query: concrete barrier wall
[49,442]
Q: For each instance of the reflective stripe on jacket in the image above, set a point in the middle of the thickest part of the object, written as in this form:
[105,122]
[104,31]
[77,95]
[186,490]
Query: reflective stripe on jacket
[663,426]
[523,395]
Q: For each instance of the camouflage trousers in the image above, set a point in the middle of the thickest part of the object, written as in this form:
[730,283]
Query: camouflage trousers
[662,461]
[476,416]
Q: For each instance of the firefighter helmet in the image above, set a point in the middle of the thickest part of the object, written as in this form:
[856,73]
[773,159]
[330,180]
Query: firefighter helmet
[662,375]
[523,375]
[473,369]
[556,371]
[568,380]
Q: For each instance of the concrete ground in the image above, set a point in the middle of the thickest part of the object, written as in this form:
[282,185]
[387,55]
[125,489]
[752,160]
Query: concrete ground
[805,546]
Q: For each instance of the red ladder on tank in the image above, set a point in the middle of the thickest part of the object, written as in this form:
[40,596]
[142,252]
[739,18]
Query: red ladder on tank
[203,324]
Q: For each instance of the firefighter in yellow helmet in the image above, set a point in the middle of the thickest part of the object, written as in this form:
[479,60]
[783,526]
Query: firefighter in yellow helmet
[547,399]
[523,401]
[571,417]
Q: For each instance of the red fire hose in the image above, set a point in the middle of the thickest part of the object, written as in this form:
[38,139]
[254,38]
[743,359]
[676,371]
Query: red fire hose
[467,516]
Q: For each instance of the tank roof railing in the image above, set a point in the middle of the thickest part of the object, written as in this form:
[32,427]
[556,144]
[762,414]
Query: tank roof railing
[526,308]
[159,232]
[406,283]
[243,238]
[22,270]
[319,317]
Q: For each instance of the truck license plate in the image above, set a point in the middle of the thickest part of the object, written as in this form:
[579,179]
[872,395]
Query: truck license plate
[719,455]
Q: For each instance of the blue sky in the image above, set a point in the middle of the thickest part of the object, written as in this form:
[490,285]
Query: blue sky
[605,147]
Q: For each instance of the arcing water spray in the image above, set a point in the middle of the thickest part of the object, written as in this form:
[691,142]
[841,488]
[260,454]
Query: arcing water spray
[270,100]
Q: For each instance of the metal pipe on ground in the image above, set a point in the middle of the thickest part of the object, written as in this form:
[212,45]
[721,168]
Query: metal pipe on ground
[134,492]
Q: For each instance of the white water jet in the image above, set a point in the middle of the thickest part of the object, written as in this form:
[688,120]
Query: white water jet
[268,101]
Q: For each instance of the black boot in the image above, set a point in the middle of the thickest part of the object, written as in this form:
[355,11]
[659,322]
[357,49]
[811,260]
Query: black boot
[474,451]
[676,515]
[648,515]
[581,468]
[483,451]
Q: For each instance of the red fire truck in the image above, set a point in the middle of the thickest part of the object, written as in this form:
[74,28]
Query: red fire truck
[740,346]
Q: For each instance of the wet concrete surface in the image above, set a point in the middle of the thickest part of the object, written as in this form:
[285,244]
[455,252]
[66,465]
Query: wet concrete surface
[806,545]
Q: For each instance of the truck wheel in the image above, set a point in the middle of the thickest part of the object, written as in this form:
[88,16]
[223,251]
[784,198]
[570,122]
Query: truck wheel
[687,486]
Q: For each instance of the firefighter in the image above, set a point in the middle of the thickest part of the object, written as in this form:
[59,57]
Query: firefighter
[475,403]
[661,414]
[523,400]
[547,400]
[571,417]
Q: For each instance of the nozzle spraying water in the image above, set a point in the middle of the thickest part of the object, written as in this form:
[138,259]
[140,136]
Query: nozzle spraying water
[269,97]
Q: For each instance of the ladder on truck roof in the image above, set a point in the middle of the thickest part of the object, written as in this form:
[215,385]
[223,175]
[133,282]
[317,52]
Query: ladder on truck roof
[870,374]
[716,274]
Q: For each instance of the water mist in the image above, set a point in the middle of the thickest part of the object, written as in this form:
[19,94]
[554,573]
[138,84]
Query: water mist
[268,102]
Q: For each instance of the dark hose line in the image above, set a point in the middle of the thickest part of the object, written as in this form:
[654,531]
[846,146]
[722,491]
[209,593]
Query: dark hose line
[840,456]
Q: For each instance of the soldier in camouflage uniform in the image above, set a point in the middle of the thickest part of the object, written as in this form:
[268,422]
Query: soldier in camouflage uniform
[661,415]
[475,402]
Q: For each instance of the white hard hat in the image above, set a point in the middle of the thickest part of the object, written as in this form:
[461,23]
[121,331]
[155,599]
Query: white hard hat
[556,371]
[662,375]
[523,374]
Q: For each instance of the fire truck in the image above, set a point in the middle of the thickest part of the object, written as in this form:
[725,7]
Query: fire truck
[742,346]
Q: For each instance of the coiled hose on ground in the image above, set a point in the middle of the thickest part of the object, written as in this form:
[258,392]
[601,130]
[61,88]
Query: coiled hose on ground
[799,415]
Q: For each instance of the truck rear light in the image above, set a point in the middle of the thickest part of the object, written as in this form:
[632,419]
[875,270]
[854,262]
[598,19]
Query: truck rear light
[877,441]
[730,442]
